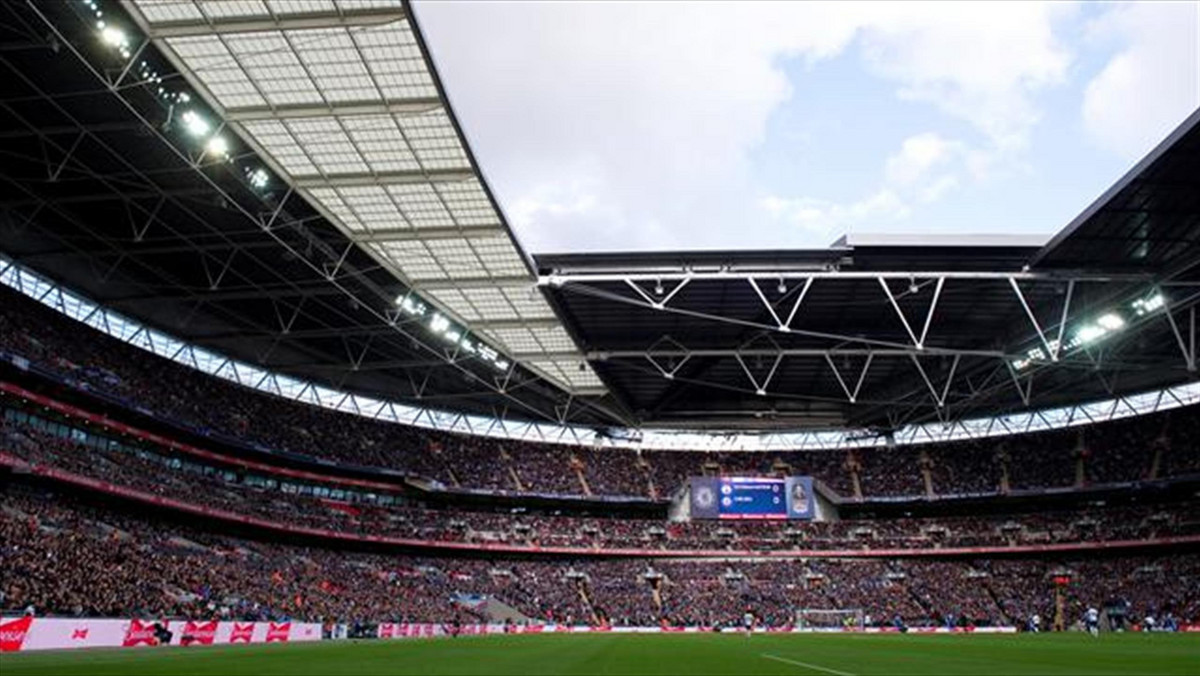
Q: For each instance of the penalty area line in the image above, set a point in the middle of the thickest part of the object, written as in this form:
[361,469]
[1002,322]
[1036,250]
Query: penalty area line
[806,665]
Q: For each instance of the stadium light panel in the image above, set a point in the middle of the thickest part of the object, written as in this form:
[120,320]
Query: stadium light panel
[113,36]
[217,146]
[194,124]
[1090,334]
[1111,321]
[258,178]
[1144,306]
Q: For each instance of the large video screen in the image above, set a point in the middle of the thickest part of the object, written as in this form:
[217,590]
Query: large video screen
[751,498]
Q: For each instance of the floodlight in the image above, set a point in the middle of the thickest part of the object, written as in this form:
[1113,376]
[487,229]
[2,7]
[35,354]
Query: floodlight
[113,36]
[258,178]
[1111,321]
[194,124]
[218,146]
[1144,306]
[1089,334]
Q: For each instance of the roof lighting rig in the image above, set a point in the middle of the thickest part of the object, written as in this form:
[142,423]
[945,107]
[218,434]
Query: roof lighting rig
[190,121]
[134,65]
[1095,330]
[439,325]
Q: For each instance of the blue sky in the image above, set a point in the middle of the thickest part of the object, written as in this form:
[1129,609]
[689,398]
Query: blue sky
[635,126]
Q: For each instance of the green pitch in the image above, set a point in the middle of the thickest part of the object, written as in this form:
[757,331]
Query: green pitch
[822,655]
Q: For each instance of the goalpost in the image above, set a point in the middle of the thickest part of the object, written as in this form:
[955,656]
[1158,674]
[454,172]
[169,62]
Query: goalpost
[829,619]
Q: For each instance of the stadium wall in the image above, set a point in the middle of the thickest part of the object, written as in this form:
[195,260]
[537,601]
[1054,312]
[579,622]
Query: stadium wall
[30,633]
[22,467]
[428,630]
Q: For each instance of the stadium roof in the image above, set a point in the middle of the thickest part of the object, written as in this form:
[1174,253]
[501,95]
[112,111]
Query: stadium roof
[885,329]
[347,237]
[341,98]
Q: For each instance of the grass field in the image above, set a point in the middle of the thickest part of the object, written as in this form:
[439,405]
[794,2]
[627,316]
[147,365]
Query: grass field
[836,655]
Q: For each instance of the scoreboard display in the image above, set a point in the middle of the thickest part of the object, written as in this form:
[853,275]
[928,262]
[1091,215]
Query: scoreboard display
[751,498]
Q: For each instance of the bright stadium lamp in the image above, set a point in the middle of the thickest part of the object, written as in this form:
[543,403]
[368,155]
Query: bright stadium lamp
[1089,334]
[217,146]
[1111,321]
[113,36]
[258,178]
[194,124]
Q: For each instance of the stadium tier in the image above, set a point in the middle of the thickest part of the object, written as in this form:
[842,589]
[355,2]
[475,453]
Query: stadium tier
[1145,448]
[275,367]
[73,559]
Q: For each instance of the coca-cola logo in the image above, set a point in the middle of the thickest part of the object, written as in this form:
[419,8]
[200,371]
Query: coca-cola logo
[13,633]
[139,633]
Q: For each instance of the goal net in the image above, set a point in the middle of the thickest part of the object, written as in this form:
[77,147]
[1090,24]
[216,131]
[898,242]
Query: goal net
[827,619]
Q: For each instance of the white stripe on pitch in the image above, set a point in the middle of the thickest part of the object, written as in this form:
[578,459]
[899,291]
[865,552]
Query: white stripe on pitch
[806,665]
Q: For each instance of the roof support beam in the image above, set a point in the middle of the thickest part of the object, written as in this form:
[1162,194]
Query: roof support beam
[602,355]
[348,17]
[470,283]
[559,279]
[410,234]
[851,395]
[1188,347]
[760,388]
[1053,353]
[414,106]
[228,295]
[383,178]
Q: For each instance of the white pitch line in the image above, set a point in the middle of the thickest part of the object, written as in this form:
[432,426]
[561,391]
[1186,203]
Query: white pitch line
[807,665]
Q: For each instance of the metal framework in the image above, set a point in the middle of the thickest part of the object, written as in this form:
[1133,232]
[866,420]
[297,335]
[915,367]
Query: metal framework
[231,242]
[778,330]
[114,324]
[343,100]
[382,201]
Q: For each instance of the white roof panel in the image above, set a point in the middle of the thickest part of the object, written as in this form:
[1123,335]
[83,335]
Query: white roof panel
[340,99]
[160,11]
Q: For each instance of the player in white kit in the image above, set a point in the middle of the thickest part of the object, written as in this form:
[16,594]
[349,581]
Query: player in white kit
[1091,621]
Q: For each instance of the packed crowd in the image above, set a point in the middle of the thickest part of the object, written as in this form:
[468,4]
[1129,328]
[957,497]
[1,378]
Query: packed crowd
[65,557]
[1133,449]
[158,471]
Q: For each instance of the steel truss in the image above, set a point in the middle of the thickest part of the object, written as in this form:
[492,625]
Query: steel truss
[217,259]
[497,426]
[984,365]
[288,26]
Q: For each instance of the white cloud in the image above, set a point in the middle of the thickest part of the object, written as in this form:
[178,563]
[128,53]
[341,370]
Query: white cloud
[979,62]
[660,106]
[918,155]
[923,170]
[824,221]
[1149,86]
